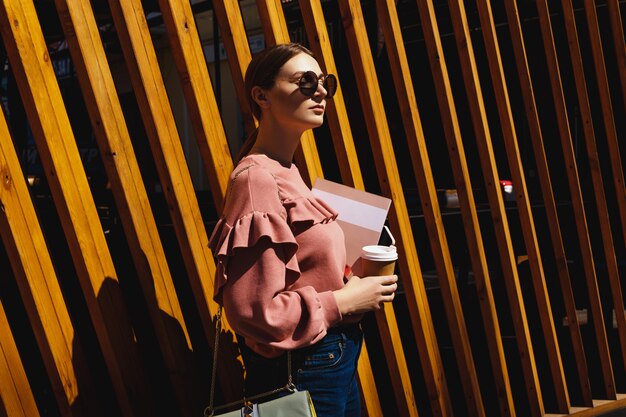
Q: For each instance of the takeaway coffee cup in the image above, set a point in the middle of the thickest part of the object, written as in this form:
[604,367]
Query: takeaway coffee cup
[378,260]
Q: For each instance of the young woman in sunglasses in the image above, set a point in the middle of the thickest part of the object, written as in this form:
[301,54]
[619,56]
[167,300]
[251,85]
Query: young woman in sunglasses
[281,255]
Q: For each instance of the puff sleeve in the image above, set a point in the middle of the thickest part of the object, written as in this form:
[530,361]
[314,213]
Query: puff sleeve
[257,266]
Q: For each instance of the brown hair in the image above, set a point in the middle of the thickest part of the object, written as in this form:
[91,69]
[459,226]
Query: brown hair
[262,72]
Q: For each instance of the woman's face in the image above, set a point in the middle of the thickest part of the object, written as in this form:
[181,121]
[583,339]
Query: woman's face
[287,105]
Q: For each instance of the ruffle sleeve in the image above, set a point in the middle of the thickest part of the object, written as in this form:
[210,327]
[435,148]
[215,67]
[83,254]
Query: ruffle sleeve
[255,248]
[303,212]
[247,232]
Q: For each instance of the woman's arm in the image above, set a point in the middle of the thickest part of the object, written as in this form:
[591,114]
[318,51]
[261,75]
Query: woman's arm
[259,308]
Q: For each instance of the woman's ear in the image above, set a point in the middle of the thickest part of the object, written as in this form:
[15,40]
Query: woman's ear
[259,97]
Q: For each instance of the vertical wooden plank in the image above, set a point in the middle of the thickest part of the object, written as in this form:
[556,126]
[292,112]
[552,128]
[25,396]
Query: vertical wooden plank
[131,198]
[275,30]
[576,197]
[336,112]
[347,159]
[496,204]
[596,173]
[30,260]
[233,34]
[386,167]
[523,205]
[171,165]
[197,88]
[16,397]
[607,110]
[554,227]
[42,99]
[388,18]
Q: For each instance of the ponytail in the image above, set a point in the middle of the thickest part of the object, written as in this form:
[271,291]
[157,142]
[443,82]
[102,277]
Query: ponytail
[247,145]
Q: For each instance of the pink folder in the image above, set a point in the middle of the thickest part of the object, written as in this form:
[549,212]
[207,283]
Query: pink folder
[362,215]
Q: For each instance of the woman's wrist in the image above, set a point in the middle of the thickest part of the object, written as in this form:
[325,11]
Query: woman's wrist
[341,302]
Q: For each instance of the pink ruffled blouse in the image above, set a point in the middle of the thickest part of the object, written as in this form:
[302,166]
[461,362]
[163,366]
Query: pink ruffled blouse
[280,255]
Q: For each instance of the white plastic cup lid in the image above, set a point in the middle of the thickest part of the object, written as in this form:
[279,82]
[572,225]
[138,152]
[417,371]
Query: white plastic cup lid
[379,253]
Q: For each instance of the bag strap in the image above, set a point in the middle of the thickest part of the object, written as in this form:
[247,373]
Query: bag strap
[210,410]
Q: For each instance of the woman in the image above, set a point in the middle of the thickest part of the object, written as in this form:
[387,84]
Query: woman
[281,255]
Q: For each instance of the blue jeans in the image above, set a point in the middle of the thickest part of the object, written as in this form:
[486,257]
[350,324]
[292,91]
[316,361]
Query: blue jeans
[327,370]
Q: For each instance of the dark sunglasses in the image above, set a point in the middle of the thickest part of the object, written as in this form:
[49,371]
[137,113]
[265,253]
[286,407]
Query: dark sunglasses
[309,81]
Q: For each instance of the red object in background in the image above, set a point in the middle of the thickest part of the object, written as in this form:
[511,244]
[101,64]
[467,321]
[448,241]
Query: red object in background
[507,190]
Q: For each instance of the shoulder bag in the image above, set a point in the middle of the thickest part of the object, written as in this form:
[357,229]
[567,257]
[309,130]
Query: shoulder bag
[294,404]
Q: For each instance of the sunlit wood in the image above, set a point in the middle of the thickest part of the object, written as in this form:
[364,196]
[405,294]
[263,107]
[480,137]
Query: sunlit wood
[123,171]
[523,205]
[388,175]
[59,154]
[16,397]
[172,166]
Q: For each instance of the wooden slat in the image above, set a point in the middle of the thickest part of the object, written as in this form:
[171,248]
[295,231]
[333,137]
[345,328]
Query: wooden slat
[196,84]
[172,167]
[347,159]
[233,34]
[44,106]
[617,30]
[554,227]
[607,110]
[336,112]
[60,348]
[596,174]
[454,141]
[523,205]
[275,30]
[386,167]
[496,204]
[16,397]
[428,196]
[430,207]
[396,361]
[365,378]
[130,195]
[576,198]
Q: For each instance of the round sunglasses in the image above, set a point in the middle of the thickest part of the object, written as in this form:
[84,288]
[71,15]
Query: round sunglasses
[309,81]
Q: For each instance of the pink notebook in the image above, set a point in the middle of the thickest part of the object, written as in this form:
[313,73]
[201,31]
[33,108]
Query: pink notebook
[362,215]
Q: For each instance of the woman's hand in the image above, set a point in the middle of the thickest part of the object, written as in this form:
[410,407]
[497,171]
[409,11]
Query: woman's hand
[361,295]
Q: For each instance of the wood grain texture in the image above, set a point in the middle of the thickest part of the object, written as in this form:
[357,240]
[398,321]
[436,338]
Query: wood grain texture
[541,162]
[388,175]
[23,239]
[523,205]
[16,397]
[131,197]
[580,217]
[596,173]
[496,204]
[434,224]
[60,158]
[608,114]
[172,169]
[197,88]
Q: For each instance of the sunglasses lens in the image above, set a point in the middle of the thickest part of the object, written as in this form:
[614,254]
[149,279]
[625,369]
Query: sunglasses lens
[308,83]
[330,85]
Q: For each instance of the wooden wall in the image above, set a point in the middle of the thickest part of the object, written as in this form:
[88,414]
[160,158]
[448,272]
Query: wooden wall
[507,305]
